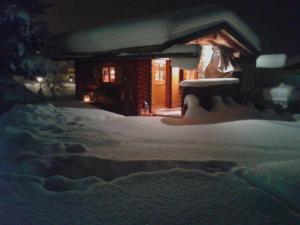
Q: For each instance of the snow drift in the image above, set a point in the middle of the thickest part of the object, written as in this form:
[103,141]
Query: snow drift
[88,166]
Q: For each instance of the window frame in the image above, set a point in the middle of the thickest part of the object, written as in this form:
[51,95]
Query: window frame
[107,72]
[160,73]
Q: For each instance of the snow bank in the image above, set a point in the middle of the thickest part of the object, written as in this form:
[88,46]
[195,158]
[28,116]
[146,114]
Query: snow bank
[92,114]
[280,179]
[50,144]
[222,110]
[30,134]
[168,197]
[228,110]
[13,92]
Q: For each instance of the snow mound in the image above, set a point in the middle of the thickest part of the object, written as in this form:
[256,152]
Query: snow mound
[32,134]
[280,179]
[219,105]
[194,111]
[11,92]
[222,110]
[167,197]
[91,114]
[63,184]
[226,109]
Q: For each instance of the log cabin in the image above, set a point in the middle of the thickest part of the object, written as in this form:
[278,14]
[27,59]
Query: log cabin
[151,63]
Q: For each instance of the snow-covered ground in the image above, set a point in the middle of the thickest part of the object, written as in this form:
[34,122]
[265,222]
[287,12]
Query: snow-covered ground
[88,166]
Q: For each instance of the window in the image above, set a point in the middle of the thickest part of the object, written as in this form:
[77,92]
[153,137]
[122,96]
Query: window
[190,74]
[159,70]
[109,74]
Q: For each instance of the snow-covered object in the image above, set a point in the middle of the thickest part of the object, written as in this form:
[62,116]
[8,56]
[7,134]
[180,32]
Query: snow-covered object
[68,89]
[272,61]
[194,111]
[38,65]
[154,30]
[219,105]
[280,179]
[13,92]
[207,82]
[222,110]
[281,94]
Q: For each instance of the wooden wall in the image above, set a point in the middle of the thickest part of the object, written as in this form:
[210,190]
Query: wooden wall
[85,78]
[134,79]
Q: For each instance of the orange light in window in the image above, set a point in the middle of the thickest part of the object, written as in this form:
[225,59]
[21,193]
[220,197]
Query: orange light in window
[109,74]
[112,74]
[106,78]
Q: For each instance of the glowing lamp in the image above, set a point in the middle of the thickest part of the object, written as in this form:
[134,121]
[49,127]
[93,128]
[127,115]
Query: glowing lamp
[87,98]
[39,79]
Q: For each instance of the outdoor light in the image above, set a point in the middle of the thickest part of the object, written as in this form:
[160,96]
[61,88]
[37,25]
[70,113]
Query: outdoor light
[71,80]
[87,98]
[39,79]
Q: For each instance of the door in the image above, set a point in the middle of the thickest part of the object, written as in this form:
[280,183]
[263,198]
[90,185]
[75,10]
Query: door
[158,83]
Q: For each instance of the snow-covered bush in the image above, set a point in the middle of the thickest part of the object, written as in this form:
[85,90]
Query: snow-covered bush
[22,41]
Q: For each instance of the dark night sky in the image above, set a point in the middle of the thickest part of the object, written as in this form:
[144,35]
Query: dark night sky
[276,22]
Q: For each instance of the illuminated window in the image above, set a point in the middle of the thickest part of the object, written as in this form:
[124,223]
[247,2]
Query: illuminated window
[159,69]
[190,74]
[109,74]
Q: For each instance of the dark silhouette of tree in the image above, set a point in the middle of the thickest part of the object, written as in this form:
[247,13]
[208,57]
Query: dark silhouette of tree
[24,38]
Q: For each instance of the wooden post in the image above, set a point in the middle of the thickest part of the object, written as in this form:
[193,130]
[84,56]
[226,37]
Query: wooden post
[168,84]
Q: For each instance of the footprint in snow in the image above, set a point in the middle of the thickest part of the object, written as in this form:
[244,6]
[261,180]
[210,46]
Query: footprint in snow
[75,148]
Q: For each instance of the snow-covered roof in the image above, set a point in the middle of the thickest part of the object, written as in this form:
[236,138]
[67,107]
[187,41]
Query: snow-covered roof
[153,31]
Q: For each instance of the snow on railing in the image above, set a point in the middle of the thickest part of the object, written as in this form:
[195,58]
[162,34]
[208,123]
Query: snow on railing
[209,82]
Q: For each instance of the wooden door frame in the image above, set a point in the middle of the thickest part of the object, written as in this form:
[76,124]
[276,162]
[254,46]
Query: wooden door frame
[168,84]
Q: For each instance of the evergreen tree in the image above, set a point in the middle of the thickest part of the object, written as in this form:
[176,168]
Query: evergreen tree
[23,37]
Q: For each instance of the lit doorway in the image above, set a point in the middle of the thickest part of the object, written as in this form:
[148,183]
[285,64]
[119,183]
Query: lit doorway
[159,73]
[165,88]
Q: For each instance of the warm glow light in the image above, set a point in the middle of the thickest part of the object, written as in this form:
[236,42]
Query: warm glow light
[112,78]
[112,74]
[106,78]
[86,98]
[161,61]
[175,70]
[39,79]
[112,71]
[207,52]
